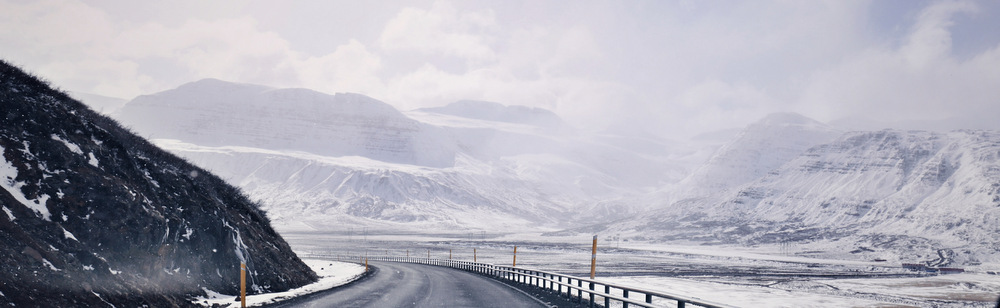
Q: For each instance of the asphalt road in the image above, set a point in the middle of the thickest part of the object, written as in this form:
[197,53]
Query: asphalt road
[417,285]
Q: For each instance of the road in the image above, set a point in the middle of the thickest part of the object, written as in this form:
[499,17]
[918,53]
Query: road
[417,285]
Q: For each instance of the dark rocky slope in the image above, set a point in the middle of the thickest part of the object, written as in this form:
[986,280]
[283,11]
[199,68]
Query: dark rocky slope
[94,215]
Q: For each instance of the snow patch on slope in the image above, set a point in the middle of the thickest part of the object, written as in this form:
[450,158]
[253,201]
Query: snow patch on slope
[8,174]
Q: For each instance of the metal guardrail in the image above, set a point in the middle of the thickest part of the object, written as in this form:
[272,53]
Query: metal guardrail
[566,285]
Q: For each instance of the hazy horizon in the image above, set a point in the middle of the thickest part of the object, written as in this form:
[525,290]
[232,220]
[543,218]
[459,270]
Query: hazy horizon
[669,69]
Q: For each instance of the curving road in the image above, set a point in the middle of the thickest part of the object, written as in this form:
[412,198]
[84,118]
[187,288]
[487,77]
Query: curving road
[417,285]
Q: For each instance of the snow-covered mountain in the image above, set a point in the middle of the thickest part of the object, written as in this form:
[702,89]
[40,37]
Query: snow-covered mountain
[314,158]
[898,195]
[497,112]
[216,113]
[758,149]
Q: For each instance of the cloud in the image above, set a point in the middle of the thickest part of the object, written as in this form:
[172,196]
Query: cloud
[441,29]
[669,68]
[921,80]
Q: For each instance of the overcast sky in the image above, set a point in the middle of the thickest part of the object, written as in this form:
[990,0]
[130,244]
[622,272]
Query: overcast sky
[666,68]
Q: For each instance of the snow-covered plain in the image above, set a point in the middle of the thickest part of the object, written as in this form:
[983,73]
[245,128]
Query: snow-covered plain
[734,275]
[331,273]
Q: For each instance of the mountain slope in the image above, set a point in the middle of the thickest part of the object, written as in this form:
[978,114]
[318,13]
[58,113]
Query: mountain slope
[444,170]
[217,113]
[94,215]
[497,112]
[760,148]
[904,195]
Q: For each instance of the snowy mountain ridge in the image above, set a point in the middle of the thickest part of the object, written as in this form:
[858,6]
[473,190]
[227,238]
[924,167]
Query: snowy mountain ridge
[217,113]
[902,195]
[305,154]
[758,149]
[498,112]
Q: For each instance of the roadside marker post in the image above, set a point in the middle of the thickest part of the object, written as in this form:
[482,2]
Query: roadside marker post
[593,258]
[474,259]
[449,254]
[515,257]
[243,285]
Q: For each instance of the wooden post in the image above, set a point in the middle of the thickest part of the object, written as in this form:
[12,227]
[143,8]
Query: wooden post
[407,253]
[366,264]
[474,259]
[449,254]
[593,258]
[243,285]
[515,256]
[428,253]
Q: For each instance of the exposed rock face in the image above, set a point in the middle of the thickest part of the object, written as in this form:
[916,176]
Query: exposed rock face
[94,214]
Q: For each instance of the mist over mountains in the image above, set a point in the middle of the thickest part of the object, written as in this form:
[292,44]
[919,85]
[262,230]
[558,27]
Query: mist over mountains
[313,159]
[351,158]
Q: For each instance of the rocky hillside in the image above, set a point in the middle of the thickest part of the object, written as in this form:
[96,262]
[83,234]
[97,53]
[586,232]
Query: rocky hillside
[95,215]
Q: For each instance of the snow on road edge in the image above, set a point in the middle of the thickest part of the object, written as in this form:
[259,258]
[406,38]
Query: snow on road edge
[331,273]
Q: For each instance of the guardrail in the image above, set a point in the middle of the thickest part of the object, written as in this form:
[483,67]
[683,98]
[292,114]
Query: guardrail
[566,285]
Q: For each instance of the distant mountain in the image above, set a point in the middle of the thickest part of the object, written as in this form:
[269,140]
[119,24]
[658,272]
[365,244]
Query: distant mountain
[442,171]
[217,113]
[97,216]
[758,149]
[899,195]
[498,112]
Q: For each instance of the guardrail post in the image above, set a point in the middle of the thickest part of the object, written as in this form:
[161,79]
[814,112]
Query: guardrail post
[607,291]
[649,300]
[579,291]
[560,285]
[680,304]
[592,294]
[625,295]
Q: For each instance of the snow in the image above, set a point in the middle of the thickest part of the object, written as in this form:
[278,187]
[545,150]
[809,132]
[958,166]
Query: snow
[49,264]
[72,147]
[69,235]
[351,158]
[10,215]
[102,299]
[7,175]
[93,160]
[188,232]
[88,267]
[332,274]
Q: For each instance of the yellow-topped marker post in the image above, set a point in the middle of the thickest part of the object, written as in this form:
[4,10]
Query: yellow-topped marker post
[593,259]
[243,285]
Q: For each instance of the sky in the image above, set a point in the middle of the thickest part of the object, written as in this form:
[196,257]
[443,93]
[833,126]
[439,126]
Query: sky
[671,69]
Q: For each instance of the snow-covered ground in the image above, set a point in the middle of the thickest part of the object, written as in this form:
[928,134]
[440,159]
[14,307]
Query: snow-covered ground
[766,276]
[332,274]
